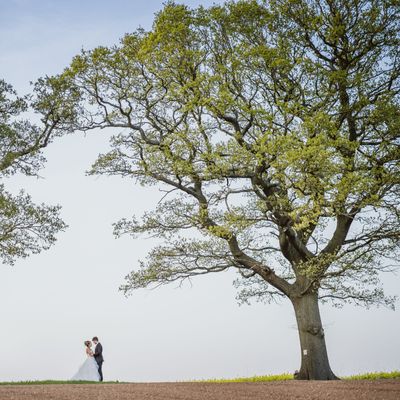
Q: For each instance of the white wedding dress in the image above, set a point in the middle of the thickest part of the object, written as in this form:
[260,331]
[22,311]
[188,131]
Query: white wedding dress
[88,371]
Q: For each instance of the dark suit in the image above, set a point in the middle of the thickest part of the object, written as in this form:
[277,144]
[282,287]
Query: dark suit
[98,356]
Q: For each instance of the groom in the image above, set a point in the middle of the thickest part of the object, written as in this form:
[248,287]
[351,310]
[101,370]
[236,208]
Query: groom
[98,355]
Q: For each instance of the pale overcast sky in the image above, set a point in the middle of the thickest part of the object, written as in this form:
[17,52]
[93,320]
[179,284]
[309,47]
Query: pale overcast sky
[52,302]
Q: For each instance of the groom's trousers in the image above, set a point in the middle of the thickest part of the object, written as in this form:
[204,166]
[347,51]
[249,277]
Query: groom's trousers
[100,371]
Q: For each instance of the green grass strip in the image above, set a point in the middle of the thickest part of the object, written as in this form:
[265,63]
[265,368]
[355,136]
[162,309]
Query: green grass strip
[287,377]
[55,382]
[374,375]
[262,378]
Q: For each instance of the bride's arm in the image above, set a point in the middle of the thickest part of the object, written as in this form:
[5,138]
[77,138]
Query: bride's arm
[89,352]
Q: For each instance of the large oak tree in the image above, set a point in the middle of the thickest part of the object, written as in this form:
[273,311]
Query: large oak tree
[274,127]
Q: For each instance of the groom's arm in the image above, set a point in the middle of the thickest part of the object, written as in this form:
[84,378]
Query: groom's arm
[98,350]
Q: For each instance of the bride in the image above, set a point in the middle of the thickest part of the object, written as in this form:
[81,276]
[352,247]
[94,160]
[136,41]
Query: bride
[89,369]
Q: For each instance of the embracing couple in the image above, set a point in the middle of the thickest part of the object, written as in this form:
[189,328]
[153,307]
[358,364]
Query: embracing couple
[91,369]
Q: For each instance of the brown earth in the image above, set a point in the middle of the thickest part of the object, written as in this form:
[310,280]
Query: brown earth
[292,390]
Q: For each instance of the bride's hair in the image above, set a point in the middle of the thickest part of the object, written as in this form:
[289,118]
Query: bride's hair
[87,343]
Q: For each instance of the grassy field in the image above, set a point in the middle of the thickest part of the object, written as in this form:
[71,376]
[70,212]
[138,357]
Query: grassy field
[262,378]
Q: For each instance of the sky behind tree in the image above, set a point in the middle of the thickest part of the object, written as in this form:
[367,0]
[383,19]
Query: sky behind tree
[54,301]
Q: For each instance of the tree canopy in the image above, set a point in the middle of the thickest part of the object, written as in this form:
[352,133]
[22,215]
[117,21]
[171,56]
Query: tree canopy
[275,123]
[25,227]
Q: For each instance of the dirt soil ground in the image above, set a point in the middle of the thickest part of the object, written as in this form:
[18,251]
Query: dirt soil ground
[292,390]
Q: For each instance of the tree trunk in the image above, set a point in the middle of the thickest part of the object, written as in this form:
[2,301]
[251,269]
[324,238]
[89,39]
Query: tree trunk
[314,357]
